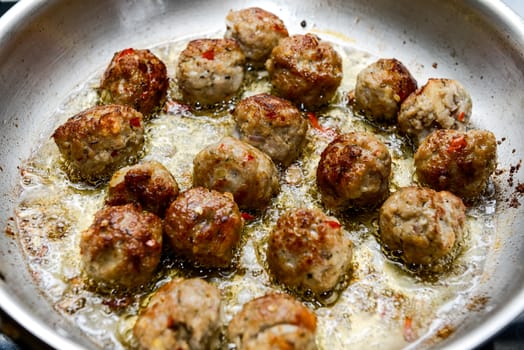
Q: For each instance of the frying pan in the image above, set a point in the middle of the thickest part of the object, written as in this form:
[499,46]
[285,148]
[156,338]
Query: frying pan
[50,47]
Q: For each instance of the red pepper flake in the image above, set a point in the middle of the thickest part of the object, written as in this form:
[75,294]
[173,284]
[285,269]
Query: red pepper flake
[249,157]
[461,117]
[247,216]
[125,52]
[334,224]
[458,143]
[314,121]
[209,54]
[135,122]
[407,331]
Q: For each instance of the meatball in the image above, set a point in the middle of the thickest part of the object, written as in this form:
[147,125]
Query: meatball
[236,167]
[257,32]
[307,250]
[274,321]
[381,88]
[305,70]
[273,125]
[456,161]
[136,78]
[149,184]
[96,142]
[182,314]
[354,171]
[122,246]
[421,225]
[204,226]
[440,104]
[210,71]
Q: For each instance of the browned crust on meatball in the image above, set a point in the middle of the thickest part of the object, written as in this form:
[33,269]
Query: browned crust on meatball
[460,162]
[204,226]
[354,171]
[136,78]
[122,246]
[263,314]
[99,140]
[273,125]
[305,70]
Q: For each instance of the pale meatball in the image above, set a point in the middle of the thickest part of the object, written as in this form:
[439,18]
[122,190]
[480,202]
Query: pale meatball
[236,167]
[122,247]
[204,226]
[307,251]
[421,225]
[273,322]
[381,88]
[273,125]
[456,161]
[440,104]
[149,184]
[305,70]
[354,171]
[182,314]
[257,32]
[136,78]
[210,71]
[96,142]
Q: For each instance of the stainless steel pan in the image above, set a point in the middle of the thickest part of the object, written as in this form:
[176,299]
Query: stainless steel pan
[48,48]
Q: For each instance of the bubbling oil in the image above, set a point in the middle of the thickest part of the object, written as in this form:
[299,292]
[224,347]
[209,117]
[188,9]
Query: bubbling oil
[381,305]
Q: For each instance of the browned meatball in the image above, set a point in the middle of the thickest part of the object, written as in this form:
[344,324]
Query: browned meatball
[210,71]
[273,322]
[136,78]
[305,70]
[353,171]
[96,142]
[182,314]
[307,250]
[440,104]
[456,161]
[204,226]
[381,88]
[257,32]
[236,167]
[122,246]
[421,225]
[273,125]
[149,184]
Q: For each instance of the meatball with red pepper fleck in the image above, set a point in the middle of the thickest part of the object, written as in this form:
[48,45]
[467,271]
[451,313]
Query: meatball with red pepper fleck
[122,246]
[136,78]
[149,184]
[236,167]
[305,70]
[354,171]
[96,142]
[273,322]
[204,226]
[457,161]
[308,251]
[182,314]
[257,31]
[273,125]
[210,71]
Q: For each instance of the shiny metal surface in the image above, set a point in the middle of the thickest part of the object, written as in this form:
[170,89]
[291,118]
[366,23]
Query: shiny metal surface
[48,48]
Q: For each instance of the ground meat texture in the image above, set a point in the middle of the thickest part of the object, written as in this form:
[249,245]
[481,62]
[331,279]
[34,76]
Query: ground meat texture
[182,314]
[307,251]
[354,171]
[136,78]
[440,104]
[273,321]
[381,88]
[204,226]
[149,184]
[257,32]
[99,140]
[233,166]
[457,161]
[210,71]
[305,70]
[273,125]
[421,225]
[122,246]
